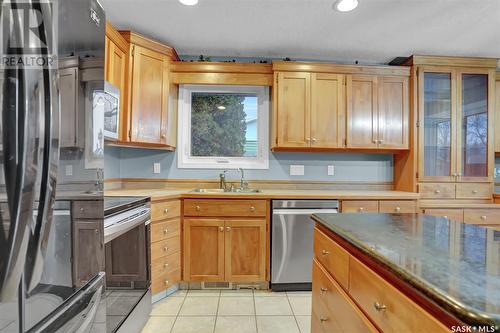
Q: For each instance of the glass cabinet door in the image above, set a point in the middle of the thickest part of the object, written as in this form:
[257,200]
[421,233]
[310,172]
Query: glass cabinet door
[438,127]
[473,139]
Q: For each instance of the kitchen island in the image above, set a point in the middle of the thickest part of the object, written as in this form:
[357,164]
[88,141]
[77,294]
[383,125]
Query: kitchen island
[404,273]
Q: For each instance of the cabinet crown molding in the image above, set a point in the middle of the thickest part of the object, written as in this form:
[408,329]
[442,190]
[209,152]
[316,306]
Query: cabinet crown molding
[416,60]
[137,39]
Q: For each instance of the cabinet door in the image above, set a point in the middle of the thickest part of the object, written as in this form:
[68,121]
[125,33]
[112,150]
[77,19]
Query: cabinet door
[474,153]
[68,87]
[149,96]
[88,250]
[245,246]
[497,116]
[362,114]
[204,250]
[437,132]
[293,112]
[327,111]
[393,112]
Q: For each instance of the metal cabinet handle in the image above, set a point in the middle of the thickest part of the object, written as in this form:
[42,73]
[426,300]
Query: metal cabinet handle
[361,209]
[221,229]
[96,231]
[380,141]
[323,319]
[197,208]
[314,140]
[165,231]
[165,265]
[379,307]
[474,191]
[308,139]
[252,209]
[323,290]
[325,252]
[398,209]
[437,191]
[228,229]
[446,217]
[163,136]
[166,211]
[483,217]
[375,141]
[81,209]
[165,249]
[166,282]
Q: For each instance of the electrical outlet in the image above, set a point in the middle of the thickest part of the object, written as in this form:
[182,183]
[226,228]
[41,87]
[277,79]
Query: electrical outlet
[331,170]
[68,170]
[296,170]
[156,167]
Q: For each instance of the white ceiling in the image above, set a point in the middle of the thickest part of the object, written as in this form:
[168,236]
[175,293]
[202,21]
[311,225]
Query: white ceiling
[376,32]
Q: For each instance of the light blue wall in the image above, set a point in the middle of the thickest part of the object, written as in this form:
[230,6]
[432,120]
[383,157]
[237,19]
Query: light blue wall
[138,163]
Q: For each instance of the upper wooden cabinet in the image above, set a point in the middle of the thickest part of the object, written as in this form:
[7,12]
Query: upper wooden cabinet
[338,109]
[497,115]
[139,68]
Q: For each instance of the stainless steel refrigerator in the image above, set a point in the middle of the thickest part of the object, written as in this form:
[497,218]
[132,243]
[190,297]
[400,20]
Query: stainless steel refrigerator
[51,166]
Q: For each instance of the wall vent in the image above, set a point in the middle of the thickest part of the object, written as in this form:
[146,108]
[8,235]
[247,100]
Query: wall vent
[216,285]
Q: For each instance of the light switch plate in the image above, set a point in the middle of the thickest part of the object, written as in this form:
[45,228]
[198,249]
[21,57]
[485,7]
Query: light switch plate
[296,170]
[156,168]
[68,170]
[331,170]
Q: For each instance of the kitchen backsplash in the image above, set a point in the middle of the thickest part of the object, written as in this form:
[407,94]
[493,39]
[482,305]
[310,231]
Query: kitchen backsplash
[138,163]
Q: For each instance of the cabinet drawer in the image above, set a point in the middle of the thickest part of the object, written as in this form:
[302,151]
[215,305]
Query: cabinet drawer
[88,209]
[332,257]
[451,214]
[359,206]
[399,314]
[224,208]
[164,230]
[165,210]
[482,216]
[474,191]
[162,266]
[166,281]
[336,311]
[398,207]
[165,247]
[437,191]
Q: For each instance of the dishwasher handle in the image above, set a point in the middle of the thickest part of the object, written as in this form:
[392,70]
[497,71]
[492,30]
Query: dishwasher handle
[304,211]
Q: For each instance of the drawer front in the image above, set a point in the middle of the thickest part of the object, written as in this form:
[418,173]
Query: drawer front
[224,208]
[164,230]
[398,207]
[88,209]
[336,311]
[389,309]
[164,265]
[451,214]
[355,206]
[166,281]
[482,216]
[332,257]
[474,191]
[165,247]
[165,210]
[437,191]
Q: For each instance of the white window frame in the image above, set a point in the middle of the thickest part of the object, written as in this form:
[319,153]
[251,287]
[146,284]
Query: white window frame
[184,158]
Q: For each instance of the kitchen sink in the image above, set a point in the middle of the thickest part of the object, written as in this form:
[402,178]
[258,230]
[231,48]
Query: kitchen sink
[229,190]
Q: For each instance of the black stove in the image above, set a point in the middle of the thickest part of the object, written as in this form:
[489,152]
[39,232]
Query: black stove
[113,205]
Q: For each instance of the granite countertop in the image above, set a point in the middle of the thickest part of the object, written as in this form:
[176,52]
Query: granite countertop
[455,265]
[172,193]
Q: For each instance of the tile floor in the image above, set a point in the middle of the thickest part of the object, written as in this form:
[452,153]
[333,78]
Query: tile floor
[231,311]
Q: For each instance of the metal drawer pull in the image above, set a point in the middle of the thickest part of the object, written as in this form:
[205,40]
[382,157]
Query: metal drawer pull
[228,229]
[313,140]
[166,282]
[252,209]
[325,252]
[323,290]
[446,217]
[361,209]
[165,249]
[165,231]
[437,191]
[165,265]
[474,191]
[221,229]
[81,209]
[483,217]
[322,320]
[166,210]
[197,208]
[96,231]
[379,307]
[398,209]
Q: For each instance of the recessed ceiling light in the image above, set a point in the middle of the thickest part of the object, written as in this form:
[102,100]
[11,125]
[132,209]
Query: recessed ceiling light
[346,5]
[221,107]
[189,2]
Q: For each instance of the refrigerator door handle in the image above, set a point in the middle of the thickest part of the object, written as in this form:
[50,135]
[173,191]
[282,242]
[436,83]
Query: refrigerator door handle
[41,229]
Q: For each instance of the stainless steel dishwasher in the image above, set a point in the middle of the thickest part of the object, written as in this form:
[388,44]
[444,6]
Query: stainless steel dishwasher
[292,242]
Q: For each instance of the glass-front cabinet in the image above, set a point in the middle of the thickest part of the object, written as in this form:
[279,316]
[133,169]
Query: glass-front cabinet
[455,124]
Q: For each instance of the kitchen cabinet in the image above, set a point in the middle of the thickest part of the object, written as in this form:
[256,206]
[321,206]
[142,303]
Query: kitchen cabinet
[225,240]
[455,130]
[382,206]
[482,216]
[310,110]
[497,114]
[165,244]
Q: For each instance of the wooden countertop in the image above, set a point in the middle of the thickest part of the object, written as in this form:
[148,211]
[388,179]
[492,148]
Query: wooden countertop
[172,193]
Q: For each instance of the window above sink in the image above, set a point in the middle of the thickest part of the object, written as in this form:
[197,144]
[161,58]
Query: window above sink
[223,127]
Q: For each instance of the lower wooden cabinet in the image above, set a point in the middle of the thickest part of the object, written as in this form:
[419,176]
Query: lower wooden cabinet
[165,245]
[479,191]
[382,206]
[451,214]
[481,216]
[231,250]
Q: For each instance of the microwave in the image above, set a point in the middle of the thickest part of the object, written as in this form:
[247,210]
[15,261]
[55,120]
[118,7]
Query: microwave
[109,100]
